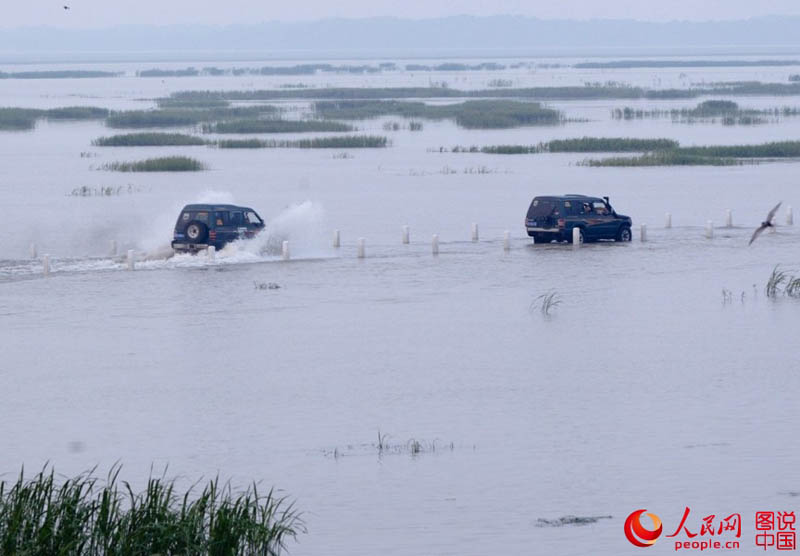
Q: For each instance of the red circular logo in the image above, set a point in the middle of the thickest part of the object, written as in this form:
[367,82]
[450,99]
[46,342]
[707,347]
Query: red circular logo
[637,533]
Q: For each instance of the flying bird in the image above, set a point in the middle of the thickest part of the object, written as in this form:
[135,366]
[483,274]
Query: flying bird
[66,7]
[765,224]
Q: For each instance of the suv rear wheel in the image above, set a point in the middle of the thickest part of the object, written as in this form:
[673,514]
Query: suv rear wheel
[196,232]
[624,233]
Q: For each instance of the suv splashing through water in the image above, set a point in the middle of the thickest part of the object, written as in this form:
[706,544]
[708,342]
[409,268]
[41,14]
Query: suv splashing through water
[553,218]
[201,226]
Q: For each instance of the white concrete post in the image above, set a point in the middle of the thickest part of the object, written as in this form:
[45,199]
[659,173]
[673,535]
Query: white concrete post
[34,252]
[435,244]
[643,232]
[131,259]
[362,250]
[285,250]
[710,229]
[46,265]
[789,216]
[211,252]
[668,220]
[729,218]
[336,239]
[406,235]
[506,241]
[576,237]
[474,231]
[112,246]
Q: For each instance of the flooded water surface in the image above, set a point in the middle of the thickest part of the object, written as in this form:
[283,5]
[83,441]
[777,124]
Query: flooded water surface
[409,403]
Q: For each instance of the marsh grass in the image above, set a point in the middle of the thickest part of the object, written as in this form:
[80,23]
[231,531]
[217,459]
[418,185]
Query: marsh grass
[343,142]
[776,279]
[105,191]
[578,145]
[721,155]
[725,112]
[662,158]
[164,164]
[192,103]
[183,116]
[148,140]
[92,517]
[25,118]
[58,74]
[275,126]
[471,114]
[590,91]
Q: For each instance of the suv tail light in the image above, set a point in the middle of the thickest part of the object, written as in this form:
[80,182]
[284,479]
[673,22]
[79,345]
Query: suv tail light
[561,222]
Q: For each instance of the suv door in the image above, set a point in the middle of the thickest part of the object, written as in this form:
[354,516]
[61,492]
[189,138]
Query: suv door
[606,225]
[225,233]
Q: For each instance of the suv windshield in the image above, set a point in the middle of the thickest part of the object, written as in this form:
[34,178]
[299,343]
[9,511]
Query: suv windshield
[252,218]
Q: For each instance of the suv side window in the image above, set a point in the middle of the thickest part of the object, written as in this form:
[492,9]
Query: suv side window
[201,217]
[236,219]
[253,219]
[600,208]
[221,218]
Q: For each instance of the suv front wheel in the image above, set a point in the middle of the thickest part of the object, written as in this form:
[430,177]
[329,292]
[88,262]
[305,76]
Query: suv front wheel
[196,232]
[624,233]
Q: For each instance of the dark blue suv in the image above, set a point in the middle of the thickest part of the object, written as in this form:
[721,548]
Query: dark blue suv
[199,226]
[553,218]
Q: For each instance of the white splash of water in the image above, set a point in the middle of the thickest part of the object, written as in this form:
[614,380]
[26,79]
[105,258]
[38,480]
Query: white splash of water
[302,225]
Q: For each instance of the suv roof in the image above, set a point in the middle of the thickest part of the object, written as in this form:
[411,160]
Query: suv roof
[567,197]
[215,207]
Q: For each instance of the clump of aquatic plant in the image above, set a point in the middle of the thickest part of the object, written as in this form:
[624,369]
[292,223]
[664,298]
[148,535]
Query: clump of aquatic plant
[148,140]
[164,164]
[275,126]
[84,515]
[342,142]
[792,288]
[105,191]
[777,278]
[546,303]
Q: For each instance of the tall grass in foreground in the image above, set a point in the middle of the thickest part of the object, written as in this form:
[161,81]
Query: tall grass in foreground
[148,140]
[88,517]
[346,142]
[164,164]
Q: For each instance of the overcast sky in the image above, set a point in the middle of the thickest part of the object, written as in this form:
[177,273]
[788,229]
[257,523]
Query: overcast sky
[103,13]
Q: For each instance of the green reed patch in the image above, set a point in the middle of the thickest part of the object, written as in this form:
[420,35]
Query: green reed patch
[92,517]
[179,117]
[13,119]
[192,103]
[578,145]
[76,113]
[589,91]
[58,74]
[25,118]
[473,114]
[344,142]
[148,140]
[275,126]
[725,111]
[662,158]
[629,64]
[163,164]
